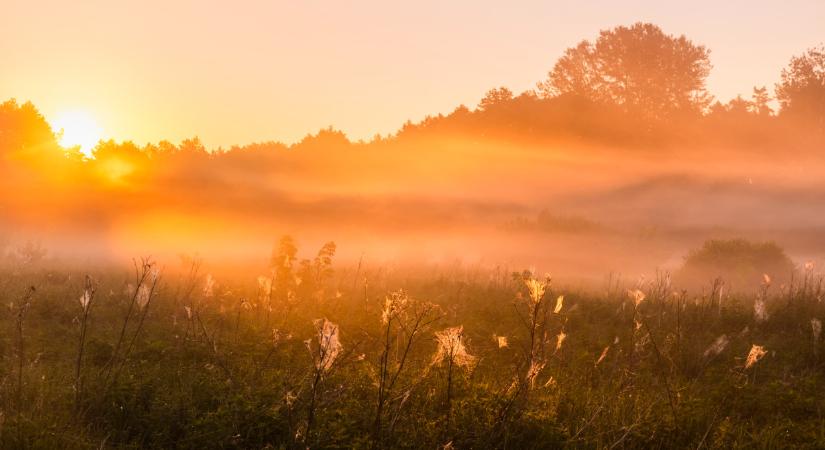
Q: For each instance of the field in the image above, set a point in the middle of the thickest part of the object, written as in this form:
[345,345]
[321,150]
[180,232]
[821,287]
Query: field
[395,225]
[310,354]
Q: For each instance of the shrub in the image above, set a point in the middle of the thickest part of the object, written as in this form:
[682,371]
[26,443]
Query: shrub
[740,263]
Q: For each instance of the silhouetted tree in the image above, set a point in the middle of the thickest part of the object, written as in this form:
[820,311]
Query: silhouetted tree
[801,90]
[24,132]
[192,148]
[639,68]
[326,139]
[759,102]
[495,96]
[739,106]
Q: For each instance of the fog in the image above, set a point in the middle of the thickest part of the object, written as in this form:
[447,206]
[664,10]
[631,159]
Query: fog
[573,210]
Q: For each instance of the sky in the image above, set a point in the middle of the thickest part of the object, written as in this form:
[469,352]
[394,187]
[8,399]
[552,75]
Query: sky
[250,71]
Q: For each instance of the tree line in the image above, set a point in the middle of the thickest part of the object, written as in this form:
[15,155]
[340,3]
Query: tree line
[632,85]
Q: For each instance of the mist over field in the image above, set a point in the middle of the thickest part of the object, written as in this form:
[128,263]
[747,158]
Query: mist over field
[438,192]
[613,258]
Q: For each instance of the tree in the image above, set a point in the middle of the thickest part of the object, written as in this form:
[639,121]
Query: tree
[801,89]
[759,102]
[740,263]
[739,106]
[639,68]
[495,96]
[25,133]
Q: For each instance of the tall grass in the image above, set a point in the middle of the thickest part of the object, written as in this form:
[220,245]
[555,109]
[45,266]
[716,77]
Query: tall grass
[456,359]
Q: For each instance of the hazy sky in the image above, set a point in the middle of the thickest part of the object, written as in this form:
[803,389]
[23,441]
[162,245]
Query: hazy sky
[244,71]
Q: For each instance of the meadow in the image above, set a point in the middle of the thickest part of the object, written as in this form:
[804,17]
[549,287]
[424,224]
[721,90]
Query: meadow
[311,354]
[378,225]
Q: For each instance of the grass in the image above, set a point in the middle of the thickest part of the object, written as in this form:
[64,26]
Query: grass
[307,356]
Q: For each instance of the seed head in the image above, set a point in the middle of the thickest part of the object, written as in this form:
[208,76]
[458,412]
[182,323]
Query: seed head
[559,304]
[329,344]
[636,295]
[85,299]
[451,347]
[536,289]
[501,341]
[144,294]
[560,339]
[757,352]
[603,355]
[718,346]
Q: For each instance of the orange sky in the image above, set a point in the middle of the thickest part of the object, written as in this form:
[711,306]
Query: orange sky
[236,72]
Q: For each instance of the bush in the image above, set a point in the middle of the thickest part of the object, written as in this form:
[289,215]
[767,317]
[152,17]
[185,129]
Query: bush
[740,263]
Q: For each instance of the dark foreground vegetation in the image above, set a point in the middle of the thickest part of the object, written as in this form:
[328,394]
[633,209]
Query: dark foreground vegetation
[455,357]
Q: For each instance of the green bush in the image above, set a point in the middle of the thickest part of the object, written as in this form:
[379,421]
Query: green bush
[740,263]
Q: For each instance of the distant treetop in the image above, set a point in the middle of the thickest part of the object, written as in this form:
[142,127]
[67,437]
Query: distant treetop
[639,68]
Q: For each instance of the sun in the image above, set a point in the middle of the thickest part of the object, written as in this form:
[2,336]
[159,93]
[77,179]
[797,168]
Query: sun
[77,128]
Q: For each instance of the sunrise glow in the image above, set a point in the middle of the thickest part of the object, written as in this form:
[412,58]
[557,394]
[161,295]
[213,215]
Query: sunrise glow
[77,128]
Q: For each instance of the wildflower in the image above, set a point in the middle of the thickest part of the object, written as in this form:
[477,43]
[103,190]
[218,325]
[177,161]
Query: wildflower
[209,286]
[760,311]
[560,339]
[329,344]
[816,328]
[536,289]
[636,295]
[809,266]
[603,355]
[766,280]
[718,346]
[756,353]
[559,304]
[451,346]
